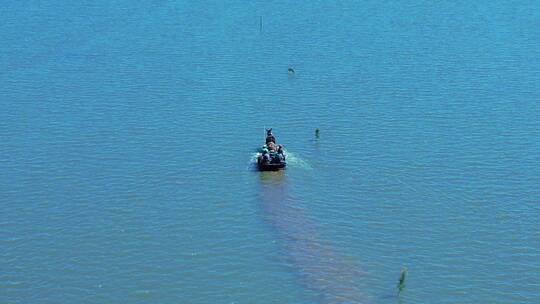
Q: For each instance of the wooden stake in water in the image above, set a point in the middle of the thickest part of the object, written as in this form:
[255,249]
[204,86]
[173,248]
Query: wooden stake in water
[401,282]
[260,24]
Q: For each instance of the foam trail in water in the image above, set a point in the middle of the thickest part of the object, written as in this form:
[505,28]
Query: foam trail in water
[296,161]
[253,158]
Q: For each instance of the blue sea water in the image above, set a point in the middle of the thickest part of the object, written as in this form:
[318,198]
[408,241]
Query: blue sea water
[127,132]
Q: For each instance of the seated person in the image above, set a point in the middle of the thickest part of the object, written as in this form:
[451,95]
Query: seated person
[270,139]
[266,156]
[269,136]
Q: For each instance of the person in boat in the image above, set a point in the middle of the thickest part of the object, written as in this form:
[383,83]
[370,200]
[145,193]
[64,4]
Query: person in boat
[275,158]
[266,156]
[280,153]
[270,137]
[280,149]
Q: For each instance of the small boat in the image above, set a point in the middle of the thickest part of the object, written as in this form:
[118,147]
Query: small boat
[271,157]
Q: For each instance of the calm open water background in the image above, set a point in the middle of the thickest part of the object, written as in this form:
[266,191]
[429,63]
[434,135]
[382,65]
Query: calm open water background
[128,127]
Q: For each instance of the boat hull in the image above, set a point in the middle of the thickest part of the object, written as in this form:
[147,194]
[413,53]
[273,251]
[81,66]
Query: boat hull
[271,167]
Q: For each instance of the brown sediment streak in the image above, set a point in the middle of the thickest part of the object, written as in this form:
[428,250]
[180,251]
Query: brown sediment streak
[321,269]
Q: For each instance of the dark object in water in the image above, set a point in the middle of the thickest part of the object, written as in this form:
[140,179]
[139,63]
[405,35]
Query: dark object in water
[317,133]
[271,156]
[264,166]
[291,70]
[401,282]
[271,161]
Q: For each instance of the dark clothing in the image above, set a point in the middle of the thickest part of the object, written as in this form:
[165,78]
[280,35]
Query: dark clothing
[270,138]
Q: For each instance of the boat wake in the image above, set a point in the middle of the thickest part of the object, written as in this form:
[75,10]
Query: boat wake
[332,277]
[297,162]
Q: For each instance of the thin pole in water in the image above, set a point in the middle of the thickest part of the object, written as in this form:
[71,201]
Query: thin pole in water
[401,282]
[260,24]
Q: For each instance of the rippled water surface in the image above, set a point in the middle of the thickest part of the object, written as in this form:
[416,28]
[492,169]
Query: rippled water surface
[127,130]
